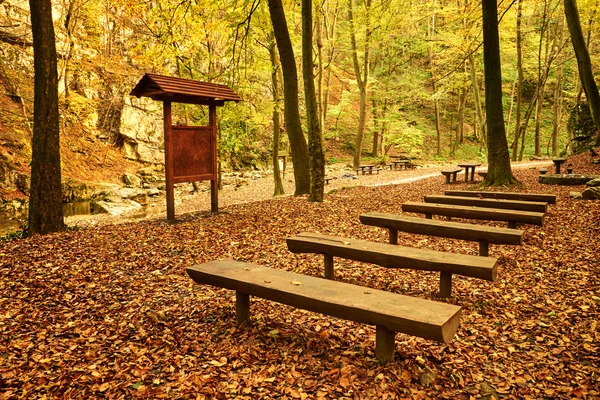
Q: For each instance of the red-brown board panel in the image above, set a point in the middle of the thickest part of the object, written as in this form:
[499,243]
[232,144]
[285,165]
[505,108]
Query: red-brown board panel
[192,153]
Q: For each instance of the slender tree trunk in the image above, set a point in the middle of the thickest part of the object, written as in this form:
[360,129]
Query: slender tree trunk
[558,91]
[512,103]
[276,126]
[515,145]
[460,123]
[477,100]
[540,85]
[499,171]
[361,79]
[375,114]
[320,61]
[315,137]
[436,107]
[330,56]
[298,145]
[45,198]
[583,62]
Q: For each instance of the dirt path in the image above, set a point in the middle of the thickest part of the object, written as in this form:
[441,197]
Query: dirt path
[262,189]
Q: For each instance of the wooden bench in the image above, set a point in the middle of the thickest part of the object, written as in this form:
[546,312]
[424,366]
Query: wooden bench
[482,174]
[454,230]
[451,172]
[547,198]
[328,179]
[491,214]
[391,256]
[389,312]
[490,203]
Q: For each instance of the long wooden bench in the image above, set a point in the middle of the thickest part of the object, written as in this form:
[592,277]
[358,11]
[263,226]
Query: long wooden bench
[391,256]
[491,214]
[454,230]
[389,312]
[547,198]
[520,205]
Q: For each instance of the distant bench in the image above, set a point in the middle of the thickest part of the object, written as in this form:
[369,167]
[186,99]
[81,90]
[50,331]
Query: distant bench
[454,230]
[328,179]
[389,312]
[390,256]
[490,203]
[451,172]
[491,214]
[547,198]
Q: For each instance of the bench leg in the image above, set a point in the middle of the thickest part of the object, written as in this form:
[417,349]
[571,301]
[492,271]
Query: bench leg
[428,215]
[328,260]
[445,284]
[512,224]
[242,307]
[393,236]
[384,344]
[484,248]
[448,179]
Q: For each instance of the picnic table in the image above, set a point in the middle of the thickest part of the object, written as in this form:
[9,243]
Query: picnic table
[557,163]
[400,163]
[471,167]
[368,168]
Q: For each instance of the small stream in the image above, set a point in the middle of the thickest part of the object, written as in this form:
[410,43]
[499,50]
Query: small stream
[12,224]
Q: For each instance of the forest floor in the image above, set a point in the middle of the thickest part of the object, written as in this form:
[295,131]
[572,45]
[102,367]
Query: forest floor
[109,311]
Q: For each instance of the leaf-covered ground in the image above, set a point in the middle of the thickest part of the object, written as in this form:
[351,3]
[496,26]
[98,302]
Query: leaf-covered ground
[109,312]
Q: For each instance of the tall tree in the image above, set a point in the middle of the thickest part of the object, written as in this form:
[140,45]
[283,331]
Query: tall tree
[315,136]
[583,62]
[276,126]
[45,198]
[290,98]
[499,171]
[362,79]
[515,145]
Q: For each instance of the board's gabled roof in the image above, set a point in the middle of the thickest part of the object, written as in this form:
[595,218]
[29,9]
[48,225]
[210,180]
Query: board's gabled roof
[180,90]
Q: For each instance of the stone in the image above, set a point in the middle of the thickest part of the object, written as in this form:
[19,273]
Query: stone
[23,182]
[575,195]
[105,207]
[592,193]
[594,182]
[131,180]
[426,378]
[566,180]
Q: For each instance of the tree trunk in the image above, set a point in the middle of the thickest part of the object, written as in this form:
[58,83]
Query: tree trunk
[515,145]
[477,100]
[45,198]
[436,107]
[320,75]
[460,123]
[276,126]
[298,145]
[315,137]
[362,81]
[375,114]
[583,62]
[558,92]
[499,171]
[541,86]
[330,57]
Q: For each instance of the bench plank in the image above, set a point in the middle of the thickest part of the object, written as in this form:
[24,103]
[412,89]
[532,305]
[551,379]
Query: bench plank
[520,205]
[392,256]
[547,198]
[391,311]
[453,230]
[491,214]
